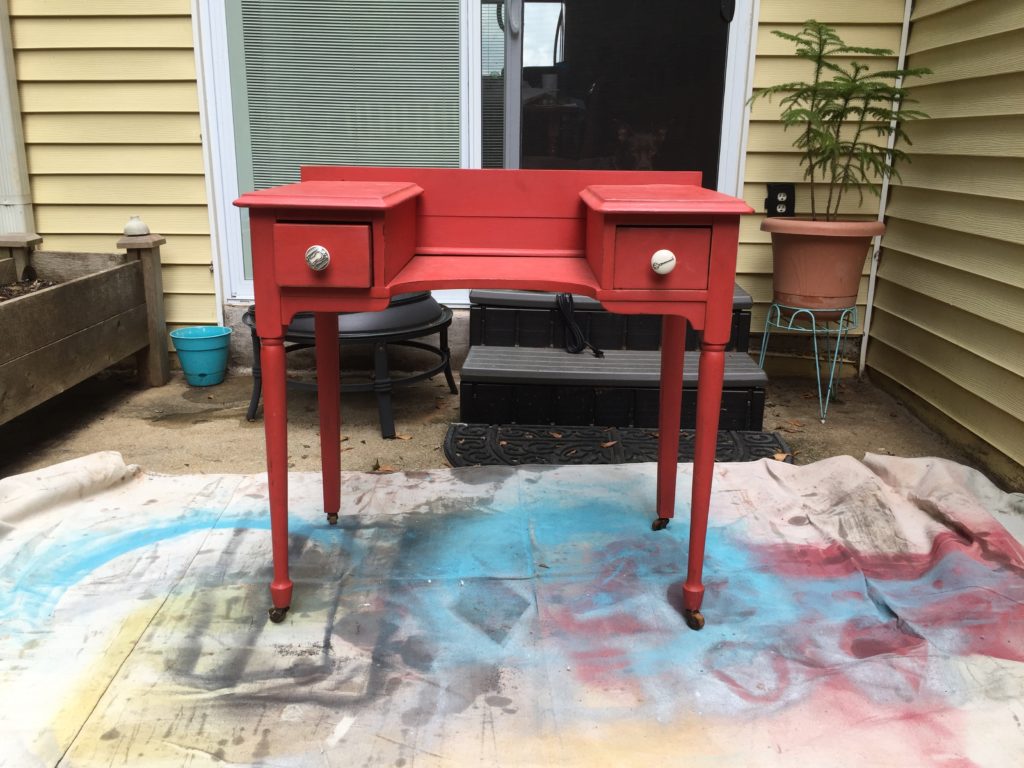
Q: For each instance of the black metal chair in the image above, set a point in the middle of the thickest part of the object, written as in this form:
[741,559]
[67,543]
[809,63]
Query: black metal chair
[409,316]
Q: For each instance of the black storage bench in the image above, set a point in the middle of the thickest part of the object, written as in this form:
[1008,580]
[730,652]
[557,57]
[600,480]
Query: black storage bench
[409,316]
[518,372]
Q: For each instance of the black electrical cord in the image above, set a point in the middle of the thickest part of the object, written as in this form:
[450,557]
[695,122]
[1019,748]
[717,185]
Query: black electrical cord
[575,341]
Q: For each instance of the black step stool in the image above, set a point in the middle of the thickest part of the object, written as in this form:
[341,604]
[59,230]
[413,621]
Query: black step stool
[409,316]
[518,372]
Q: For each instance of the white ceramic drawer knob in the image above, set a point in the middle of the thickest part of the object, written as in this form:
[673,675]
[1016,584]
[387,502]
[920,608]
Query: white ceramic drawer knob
[318,257]
[663,261]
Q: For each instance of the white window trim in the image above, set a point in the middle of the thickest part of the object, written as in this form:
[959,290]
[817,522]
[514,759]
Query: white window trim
[211,35]
[739,78]
[219,153]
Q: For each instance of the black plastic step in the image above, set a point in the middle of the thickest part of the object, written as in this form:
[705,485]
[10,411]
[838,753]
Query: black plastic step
[532,319]
[527,385]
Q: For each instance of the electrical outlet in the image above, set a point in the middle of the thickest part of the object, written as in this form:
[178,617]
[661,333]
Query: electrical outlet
[781,200]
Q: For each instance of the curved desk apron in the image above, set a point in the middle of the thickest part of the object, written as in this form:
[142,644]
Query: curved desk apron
[641,242]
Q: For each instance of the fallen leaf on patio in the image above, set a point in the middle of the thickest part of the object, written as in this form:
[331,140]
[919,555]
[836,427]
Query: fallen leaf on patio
[795,422]
[503,443]
[782,456]
[347,448]
[403,437]
[555,435]
[344,438]
[609,444]
[571,453]
[383,469]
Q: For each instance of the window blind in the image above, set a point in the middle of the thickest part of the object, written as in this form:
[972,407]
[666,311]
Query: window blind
[350,82]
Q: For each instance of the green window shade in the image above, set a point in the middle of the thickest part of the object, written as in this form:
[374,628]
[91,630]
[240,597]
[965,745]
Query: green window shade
[350,82]
[492,91]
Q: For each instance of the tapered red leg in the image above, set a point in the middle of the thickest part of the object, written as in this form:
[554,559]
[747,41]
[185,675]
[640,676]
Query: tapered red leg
[673,341]
[328,399]
[275,425]
[709,402]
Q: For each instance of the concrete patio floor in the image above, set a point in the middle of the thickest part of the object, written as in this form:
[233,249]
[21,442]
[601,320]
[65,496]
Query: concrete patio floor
[180,429]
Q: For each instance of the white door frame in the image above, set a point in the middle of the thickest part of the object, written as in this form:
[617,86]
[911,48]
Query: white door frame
[216,115]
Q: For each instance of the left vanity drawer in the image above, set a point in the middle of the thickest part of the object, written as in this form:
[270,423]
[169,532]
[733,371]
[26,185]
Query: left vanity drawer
[323,255]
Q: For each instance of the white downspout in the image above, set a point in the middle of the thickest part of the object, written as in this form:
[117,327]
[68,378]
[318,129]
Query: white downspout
[15,193]
[876,242]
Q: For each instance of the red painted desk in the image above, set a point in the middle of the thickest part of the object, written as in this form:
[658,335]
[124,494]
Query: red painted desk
[641,242]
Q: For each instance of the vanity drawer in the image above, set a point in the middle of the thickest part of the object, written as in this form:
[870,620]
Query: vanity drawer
[347,245]
[634,247]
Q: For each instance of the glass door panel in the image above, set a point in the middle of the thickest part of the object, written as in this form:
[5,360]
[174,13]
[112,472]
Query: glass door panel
[607,84]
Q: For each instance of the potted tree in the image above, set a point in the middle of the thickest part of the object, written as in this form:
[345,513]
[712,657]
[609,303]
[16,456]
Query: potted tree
[844,117]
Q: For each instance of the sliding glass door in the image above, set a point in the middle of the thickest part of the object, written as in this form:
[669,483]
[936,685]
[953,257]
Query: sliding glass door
[603,84]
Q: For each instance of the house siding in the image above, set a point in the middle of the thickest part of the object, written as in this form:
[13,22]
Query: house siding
[770,156]
[111,117]
[949,308]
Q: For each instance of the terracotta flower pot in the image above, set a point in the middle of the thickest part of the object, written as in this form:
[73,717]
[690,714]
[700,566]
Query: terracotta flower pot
[818,264]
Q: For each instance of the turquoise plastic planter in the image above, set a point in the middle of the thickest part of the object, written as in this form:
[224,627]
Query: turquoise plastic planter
[203,353]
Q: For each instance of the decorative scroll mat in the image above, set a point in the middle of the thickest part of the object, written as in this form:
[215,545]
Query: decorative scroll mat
[467,445]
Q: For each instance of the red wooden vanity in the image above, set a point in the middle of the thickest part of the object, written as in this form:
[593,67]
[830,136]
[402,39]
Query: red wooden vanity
[345,239]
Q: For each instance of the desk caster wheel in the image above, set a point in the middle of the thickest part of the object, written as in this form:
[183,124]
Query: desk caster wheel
[660,523]
[277,614]
[332,519]
[694,619]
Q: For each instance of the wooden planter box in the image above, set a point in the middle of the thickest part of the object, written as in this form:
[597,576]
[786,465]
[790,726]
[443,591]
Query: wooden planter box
[106,307]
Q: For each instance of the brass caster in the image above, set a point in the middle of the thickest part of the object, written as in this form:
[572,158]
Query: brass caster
[332,519]
[277,614]
[694,619]
[660,523]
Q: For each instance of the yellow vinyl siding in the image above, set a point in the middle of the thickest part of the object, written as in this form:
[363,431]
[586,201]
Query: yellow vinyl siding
[966,23]
[111,117]
[949,324]
[994,259]
[770,154]
[874,35]
[87,8]
[980,58]
[118,189]
[989,339]
[78,32]
[986,217]
[189,309]
[923,8]
[988,176]
[174,159]
[873,12]
[111,128]
[961,406]
[165,219]
[774,70]
[180,249]
[990,136]
[187,279]
[51,65]
[116,97]
[990,96]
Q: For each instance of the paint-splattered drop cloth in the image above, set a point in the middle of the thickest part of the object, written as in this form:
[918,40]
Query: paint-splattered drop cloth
[859,614]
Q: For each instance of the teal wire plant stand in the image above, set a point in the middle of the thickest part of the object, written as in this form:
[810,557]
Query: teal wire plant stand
[829,324]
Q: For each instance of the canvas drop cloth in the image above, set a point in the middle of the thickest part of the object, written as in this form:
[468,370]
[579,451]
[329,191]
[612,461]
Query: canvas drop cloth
[859,613]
